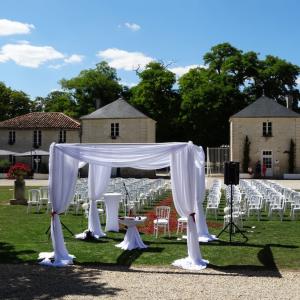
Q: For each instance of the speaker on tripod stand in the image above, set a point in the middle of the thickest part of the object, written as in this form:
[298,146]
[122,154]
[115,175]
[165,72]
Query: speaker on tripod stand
[231,177]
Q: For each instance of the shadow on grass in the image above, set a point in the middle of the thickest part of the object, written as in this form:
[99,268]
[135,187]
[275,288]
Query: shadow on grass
[39,282]
[8,254]
[265,256]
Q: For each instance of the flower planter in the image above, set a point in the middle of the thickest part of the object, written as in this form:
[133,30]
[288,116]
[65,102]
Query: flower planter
[291,176]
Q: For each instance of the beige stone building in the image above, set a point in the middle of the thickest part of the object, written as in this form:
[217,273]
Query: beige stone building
[117,122]
[270,128]
[33,133]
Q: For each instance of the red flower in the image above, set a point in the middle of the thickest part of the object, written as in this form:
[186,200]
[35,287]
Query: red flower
[18,169]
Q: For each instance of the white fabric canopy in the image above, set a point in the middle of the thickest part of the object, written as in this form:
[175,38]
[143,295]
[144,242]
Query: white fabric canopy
[186,162]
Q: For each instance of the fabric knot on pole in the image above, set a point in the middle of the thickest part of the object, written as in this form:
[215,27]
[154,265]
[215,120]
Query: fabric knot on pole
[193,216]
[53,213]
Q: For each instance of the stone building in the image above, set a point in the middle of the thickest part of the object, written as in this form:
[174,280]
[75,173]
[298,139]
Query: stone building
[117,122]
[34,132]
[270,128]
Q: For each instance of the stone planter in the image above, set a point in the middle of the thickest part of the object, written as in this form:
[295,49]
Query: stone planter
[40,176]
[19,188]
[291,176]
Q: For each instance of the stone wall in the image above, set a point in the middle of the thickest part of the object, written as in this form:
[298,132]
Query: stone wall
[130,131]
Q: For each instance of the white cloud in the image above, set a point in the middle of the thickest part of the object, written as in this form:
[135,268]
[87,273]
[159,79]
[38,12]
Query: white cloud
[125,60]
[132,26]
[8,27]
[179,71]
[74,59]
[298,81]
[27,55]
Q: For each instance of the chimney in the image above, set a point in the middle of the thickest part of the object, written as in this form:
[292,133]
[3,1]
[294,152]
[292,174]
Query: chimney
[289,102]
[98,103]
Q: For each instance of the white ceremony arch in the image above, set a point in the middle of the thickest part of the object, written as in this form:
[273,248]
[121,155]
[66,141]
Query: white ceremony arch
[186,162]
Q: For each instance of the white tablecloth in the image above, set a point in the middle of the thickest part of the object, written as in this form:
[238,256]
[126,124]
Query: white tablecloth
[112,201]
[132,239]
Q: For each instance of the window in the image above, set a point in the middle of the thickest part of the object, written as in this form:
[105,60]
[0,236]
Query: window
[37,138]
[267,128]
[11,137]
[62,136]
[114,130]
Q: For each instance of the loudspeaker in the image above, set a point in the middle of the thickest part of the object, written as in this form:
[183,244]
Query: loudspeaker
[231,172]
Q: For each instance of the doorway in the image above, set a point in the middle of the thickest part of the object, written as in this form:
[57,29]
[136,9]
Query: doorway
[267,160]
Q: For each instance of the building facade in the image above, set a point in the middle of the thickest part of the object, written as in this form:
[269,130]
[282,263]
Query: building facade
[117,122]
[270,127]
[33,133]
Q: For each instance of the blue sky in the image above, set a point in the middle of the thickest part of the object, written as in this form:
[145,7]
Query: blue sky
[42,42]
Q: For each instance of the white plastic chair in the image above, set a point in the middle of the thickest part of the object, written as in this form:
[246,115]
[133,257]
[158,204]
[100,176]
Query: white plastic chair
[254,205]
[295,208]
[162,219]
[33,199]
[276,205]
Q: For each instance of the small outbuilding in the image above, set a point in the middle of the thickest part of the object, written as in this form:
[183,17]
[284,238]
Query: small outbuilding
[270,128]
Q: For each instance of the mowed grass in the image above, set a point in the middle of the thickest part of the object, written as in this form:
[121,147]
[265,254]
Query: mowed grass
[270,245]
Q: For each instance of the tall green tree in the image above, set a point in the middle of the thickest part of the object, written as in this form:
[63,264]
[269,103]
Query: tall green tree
[154,95]
[13,103]
[93,88]
[57,101]
[230,81]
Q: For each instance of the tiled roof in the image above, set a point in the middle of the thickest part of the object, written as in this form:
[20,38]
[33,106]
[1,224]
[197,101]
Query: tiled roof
[41,120]
[118,109]
[266,107]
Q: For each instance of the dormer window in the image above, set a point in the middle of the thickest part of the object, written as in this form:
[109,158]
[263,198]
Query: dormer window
[11,137]
[114,130]
[62,136]
[267,128]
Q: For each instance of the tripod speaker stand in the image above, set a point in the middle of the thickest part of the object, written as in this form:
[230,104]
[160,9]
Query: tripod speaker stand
[231,177]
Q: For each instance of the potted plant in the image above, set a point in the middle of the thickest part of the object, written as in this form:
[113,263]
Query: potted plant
[18,171]
[246,169]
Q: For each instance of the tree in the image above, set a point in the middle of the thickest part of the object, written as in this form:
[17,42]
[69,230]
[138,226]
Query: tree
[93,88]
[154,96]
[246,157]
[229,82]
[13,103]
[57,101]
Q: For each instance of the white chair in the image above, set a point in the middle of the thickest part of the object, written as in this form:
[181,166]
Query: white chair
[44,198]
[33,199]
[295,208]
[181,224]
[254,205]
[162,219]
[276,205]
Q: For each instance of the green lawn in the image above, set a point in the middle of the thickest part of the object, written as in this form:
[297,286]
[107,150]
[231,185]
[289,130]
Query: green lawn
[270,245]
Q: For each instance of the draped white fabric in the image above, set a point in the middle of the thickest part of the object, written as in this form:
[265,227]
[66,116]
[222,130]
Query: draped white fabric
[62,180]
[185,160]
[98,180]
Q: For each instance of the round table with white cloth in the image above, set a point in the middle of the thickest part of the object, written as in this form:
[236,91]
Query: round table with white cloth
[112,201]
[132,239]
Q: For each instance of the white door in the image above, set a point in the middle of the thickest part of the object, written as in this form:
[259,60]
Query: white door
[267,160]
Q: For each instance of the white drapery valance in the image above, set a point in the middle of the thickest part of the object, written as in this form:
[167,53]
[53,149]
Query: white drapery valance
[186,163]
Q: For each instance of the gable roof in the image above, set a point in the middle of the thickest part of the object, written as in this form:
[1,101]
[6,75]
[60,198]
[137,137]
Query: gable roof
[41,120]
[265,107]
[119,109]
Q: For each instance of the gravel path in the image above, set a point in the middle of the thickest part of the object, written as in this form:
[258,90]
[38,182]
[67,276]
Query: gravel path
[77,282]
